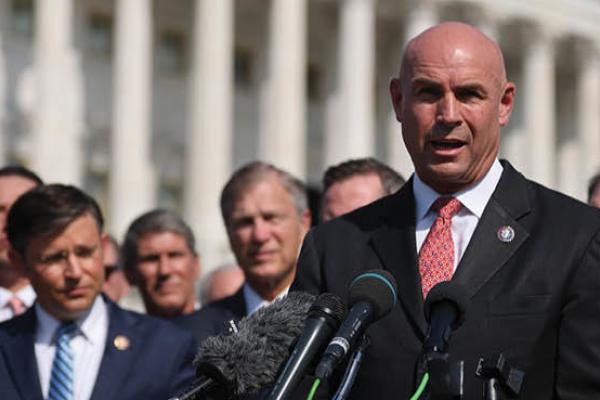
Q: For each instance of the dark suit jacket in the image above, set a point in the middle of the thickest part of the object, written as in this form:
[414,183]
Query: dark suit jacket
[156,365]
[536,298]
[211,319]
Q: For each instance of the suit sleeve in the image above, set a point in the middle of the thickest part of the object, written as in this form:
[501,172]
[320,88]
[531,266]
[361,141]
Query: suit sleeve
[184,371]
[308,271]
[578,358]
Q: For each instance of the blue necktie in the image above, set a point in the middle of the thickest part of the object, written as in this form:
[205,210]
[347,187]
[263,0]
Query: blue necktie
[61,377]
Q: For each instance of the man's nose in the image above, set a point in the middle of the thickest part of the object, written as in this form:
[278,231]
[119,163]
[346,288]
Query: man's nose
[448,112]
[164,264]
[260,231]
[73,269]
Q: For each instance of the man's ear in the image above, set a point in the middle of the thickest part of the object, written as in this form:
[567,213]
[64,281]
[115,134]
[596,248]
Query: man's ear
[306,220]
[507,101]
[396,94]
[197,267]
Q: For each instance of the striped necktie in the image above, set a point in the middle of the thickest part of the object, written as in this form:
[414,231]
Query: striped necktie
[61,376]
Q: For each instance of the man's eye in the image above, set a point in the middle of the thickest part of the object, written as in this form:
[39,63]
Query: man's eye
[85,252]
[150,258]
[468,94]
[428,93]
[53,258]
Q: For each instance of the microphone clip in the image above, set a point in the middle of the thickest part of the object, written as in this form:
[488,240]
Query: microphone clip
[499,374]
[446,377]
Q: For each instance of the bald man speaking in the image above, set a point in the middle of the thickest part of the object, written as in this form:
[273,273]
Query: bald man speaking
[528,257]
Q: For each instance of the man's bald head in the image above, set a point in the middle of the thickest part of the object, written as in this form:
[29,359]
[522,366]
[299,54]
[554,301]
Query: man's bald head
[452,98]
[452,39]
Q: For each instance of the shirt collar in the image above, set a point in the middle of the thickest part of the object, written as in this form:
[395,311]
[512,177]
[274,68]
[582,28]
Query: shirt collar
[5,296]
[88,323]
[474,198]
[25,294]
[254,301]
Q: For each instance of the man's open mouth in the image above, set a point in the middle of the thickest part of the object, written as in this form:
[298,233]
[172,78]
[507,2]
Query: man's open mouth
[446,145]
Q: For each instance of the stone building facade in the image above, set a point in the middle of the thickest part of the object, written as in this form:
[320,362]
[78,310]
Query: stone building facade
[147,103]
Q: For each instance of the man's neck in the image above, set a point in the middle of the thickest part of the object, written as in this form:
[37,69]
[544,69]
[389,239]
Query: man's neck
[269,290]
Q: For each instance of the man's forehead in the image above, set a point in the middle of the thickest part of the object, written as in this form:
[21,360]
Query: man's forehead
[453,45]
[14,186]
[87,231]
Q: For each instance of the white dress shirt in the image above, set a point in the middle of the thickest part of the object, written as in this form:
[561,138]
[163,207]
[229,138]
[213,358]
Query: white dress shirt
[87,346]
[26,295]
[254,301]
[473,199]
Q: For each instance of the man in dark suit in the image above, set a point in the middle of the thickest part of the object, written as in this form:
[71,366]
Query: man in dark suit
[75,343]
[529,257]
[266,215]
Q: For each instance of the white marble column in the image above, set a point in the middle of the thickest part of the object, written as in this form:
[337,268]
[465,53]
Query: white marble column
[210,117]
[539,103]
[132,179]
[57,116]
[350,132]
[588,114]
[423,15]
[283,113]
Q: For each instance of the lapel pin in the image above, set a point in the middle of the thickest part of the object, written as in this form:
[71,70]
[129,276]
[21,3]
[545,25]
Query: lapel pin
[121,342]
[506,234]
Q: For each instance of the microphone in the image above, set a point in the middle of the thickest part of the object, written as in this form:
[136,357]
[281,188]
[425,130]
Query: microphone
[445,309]
[242,363]
[371,296]
[324,317]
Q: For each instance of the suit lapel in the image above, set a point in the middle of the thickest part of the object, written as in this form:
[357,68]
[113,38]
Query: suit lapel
[20,358]
[486,252]
[238,304]
[120,352]
[394,243]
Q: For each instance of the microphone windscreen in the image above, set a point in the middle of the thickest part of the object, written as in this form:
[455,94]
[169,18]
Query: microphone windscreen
[377,287]
[250,359]
[331,307]
[451,292]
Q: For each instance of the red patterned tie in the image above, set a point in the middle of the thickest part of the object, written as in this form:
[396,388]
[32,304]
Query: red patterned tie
[436,258]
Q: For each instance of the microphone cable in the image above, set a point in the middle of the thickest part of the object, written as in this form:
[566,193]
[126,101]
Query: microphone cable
[313,389]
[421,387]
[352,369]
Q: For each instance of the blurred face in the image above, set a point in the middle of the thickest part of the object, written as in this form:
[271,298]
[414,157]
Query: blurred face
[166,274]
[595,199]
[452,98]
[65,269]
[223,283]
[265,232]
[115,284]
[11,188]
[350,194]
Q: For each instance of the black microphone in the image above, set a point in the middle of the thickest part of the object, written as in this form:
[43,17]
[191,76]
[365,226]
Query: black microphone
[324,317]
[242,363]
[371,296]
[445,309]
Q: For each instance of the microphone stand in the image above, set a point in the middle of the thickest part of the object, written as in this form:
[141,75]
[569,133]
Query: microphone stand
[352,369]
[498,374]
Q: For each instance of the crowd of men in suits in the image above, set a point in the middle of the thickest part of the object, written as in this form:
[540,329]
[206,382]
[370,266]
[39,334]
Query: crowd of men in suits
[54,245]
[62,276]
